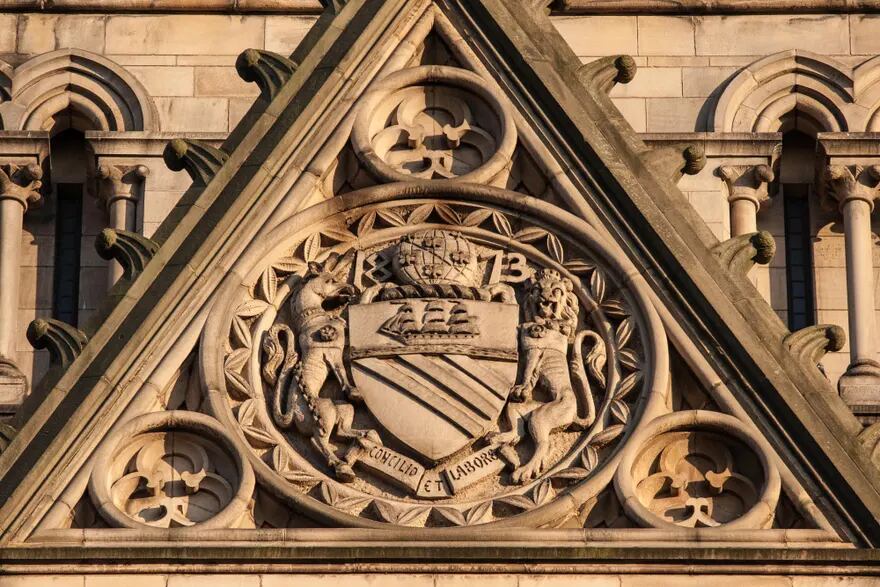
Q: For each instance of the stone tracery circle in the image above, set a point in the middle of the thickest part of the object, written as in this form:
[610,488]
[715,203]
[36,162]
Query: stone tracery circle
[427,123]
[689,469]
[171,469]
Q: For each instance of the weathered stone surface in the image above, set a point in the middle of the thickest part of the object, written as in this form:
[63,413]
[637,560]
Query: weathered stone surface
[651,82]
[591,36]
[41,33]
[184,34]
[763,35]
[283,33]
[674,115]
[193,114]
[222,81]
[666,35]
[165,81]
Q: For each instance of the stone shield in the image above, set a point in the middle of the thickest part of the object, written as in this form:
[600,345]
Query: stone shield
[435,373]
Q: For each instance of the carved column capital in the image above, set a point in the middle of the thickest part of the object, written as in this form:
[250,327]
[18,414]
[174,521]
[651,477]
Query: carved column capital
[846,183]
[746,182]
[21,183]
[117,182]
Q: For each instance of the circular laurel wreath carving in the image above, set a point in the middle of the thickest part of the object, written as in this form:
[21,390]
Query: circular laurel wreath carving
[434,356]
[434,122]
[169,470]
[698,469]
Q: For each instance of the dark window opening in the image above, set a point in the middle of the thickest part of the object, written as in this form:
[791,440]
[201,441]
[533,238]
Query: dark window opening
[798,255]
[68,235]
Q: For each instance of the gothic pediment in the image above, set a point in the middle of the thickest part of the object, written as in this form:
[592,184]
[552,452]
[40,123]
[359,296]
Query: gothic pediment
[434,285]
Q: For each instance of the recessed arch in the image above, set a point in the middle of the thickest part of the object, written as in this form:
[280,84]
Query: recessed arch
[72,88]
[757,99]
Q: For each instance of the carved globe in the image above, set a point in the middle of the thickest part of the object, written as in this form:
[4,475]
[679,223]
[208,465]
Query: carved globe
[437,257]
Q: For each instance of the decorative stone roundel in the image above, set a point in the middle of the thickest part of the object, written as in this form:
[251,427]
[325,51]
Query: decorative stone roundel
[433,355]
[698,469]
[171,469]
[434,122]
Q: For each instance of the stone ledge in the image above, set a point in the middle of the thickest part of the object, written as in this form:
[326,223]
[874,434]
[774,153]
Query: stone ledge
[591,7]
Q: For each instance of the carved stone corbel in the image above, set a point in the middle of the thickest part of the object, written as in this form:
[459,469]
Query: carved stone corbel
[810,344]
[19,190]
[605,73]
[117,194]
[674,162]
[855,188]
[132,250]
[200,160]
[746,191]
[63,341]
[740,253]
[268,70]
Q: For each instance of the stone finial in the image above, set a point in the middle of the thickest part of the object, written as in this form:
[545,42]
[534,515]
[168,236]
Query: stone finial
[268,70]
[132,250]
[746,182]
[604,73]
[118,182]
[852,182]
[200,160]
[810,344]
[674,162]
[21,183]
[740,253]
[63,341]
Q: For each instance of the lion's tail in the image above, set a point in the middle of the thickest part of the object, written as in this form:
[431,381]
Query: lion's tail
[595,360]
[283,353]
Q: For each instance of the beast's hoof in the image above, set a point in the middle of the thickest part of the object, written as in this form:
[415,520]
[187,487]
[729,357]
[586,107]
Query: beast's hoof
[344,473]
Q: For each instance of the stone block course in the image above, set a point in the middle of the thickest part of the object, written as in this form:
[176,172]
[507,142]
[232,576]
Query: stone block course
[193,114]
[766,34]
[675,114]
[127,581]
[666,35]
[652,82]
[8,33]
[633,109]
[222,81]
[593,35]
[165,81]
[184,34]
[41,33]
[865,32]
[284,33]
[703,81]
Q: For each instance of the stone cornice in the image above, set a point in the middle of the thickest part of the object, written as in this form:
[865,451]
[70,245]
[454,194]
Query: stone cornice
[585,7]
[717,144]
[694,7]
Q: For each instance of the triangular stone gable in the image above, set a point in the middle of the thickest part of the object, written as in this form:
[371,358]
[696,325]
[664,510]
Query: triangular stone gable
[706,412]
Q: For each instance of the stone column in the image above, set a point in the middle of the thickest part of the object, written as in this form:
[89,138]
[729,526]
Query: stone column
[19,189]
[855,188]
[746,189]
[119,195]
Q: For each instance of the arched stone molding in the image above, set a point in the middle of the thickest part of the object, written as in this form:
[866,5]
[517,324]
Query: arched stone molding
[818,89]
[93,92]
[5,88]
[867,90]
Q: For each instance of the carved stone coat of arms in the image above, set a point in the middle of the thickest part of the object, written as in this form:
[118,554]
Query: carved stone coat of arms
[432,364]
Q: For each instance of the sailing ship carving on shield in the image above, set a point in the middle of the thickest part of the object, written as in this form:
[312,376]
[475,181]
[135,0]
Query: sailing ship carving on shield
[433,354]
